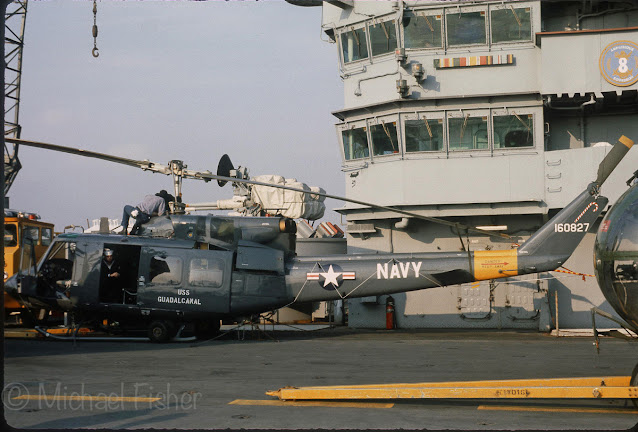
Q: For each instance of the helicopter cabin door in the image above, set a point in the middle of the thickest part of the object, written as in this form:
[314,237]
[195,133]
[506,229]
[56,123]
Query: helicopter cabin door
[193,281]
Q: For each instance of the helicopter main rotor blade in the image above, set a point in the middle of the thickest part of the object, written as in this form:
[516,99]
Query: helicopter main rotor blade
[207,176]
[143,164]
[613,158]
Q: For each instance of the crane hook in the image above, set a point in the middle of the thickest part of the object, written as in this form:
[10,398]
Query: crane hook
[95,52]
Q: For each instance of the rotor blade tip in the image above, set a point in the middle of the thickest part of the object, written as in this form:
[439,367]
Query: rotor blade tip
[626,141]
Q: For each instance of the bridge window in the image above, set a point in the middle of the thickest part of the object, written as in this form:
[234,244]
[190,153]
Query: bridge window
[383,37]
[422,30]
[384,138]
[208,272]
[355,143]
[423,135]
[165,270]
[512,131]
[511,24]
[465,28]
[468,132]
[354,45]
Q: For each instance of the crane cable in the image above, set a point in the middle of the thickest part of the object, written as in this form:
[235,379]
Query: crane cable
[94,51]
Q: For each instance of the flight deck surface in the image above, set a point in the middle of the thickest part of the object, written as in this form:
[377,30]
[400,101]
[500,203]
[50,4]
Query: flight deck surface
[222,383]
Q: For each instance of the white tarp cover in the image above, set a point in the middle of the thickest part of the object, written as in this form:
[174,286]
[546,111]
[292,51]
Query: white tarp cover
[294,205]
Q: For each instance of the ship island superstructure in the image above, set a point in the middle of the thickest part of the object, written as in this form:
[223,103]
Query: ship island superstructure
[492,114]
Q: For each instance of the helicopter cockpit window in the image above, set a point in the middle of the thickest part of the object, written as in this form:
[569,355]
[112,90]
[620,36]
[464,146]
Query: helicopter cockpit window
[165,270]
[384,138]
[422,30]
[511,24]
[465,28]
[423,135]
[354,45]
[626,272]
[513,131]
[383,37]
[207,272]
[467,132]
[58,265]
[10,235]
[355,143]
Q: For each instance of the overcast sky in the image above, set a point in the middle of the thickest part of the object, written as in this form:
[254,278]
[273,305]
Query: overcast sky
[174,80]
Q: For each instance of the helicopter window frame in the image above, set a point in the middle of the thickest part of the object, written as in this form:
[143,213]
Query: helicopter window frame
[434,118]
[457,13]
[342,129]
[355,30]
[381,127]
[461,118]
[429,24]
[517,117]
[512,6]
[63,249]
[200,275]
[167,280]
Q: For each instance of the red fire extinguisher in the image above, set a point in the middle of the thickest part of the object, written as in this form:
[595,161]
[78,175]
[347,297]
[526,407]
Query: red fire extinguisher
[389,313]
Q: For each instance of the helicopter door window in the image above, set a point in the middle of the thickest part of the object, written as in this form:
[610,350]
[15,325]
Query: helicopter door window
[355,143]
[10,235]
[421,30]
[206,272]
[468,132]
[383,37]
[513,131]
[384,138]
[423,134]
[354,45]
[465,28]
[510,24]
[165,270]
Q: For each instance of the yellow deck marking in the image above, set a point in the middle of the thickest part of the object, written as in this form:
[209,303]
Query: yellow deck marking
[311,403]
[554,409]
[89,398]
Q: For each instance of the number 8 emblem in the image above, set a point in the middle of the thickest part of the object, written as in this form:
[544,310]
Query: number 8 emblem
[618,63]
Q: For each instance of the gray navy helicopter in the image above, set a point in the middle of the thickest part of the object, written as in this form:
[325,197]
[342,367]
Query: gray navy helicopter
[202,269]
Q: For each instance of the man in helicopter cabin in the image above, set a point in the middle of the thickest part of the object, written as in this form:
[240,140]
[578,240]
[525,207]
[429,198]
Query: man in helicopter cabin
[110,277]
